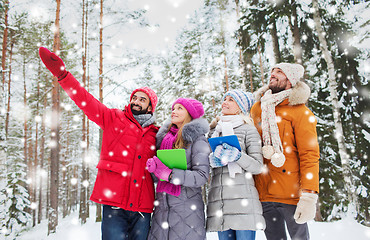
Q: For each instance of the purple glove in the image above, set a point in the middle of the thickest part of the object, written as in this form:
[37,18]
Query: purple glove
[160,170]
[150,164]
[169,188]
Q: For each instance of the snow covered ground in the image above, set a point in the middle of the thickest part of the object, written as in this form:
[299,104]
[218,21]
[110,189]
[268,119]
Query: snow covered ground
[70,229]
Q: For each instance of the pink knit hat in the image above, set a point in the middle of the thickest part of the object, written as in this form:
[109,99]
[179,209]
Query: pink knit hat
[151,94]
[194,107]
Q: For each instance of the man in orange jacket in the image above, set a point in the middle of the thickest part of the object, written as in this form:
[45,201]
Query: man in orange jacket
[289,185]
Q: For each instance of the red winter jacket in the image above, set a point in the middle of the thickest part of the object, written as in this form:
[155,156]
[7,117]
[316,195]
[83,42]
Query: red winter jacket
[122,179]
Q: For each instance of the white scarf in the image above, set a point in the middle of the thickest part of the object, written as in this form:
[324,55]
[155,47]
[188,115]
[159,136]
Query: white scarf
[226,127]
[272,147]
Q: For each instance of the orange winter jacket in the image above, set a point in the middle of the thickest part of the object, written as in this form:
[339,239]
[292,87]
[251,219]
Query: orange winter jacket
[297,130]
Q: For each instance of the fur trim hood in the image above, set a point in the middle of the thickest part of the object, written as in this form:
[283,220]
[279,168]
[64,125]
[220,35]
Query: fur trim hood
[192,130]
[300,94]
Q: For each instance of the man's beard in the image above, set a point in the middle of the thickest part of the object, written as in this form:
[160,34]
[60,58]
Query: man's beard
[138,112]
[276,89]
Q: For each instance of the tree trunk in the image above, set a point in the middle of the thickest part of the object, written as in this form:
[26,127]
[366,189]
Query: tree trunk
[9,92]
[226,76]
[347,175]
[297,47]
[42,156]
[31,177]
[261,66]
[98,206]
[246,40]
[275,40]
[241,57]
[82,212]
[54,155]
[36,163]
[66,172]
[5,40]
[25,128]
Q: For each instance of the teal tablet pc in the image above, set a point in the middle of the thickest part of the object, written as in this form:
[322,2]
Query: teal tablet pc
[231,140]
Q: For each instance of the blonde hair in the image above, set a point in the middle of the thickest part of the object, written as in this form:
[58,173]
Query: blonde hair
[247,118]
[180,143]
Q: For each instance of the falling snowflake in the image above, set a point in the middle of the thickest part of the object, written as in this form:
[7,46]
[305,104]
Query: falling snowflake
[165,225]
[278,119]
[73,181]
[108,193]
[248,175]
[29,181]
[288,149]
[230,182]
[244,202]
[33,205]
[264,169]
[176,181]
[312,119]
[259,225]
[83,144]
[38,119]
[309,176]
[85,183]
[124,174]
[52,144]
[110,153]
[156,203]
[124,153]
[76,118]
[193,207]
[219,213]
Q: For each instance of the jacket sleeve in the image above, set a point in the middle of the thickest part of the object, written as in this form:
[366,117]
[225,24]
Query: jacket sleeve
[198,175]
[252,160]
[308,150]
[94,110]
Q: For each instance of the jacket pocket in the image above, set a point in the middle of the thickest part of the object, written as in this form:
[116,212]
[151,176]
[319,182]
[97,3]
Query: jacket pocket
[284,183]
[111,181]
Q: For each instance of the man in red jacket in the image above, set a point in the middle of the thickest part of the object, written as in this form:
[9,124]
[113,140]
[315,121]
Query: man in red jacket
[123,185]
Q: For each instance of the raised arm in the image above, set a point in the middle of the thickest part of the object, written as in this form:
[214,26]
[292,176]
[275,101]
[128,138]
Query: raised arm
[94,110]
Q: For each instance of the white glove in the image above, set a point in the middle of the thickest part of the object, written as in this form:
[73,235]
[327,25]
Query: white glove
[306,208]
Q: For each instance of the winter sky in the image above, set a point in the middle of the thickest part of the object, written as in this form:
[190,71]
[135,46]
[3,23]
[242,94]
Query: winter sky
[170,15]
[165,16]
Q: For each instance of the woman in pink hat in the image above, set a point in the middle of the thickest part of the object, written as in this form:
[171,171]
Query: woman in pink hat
[179,211]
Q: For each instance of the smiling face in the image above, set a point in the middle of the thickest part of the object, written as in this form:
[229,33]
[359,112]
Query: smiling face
[229,106]
[140,103]
[179,115]
[278,81]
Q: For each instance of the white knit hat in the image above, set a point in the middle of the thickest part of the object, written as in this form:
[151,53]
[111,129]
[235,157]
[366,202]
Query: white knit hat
[294,72]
